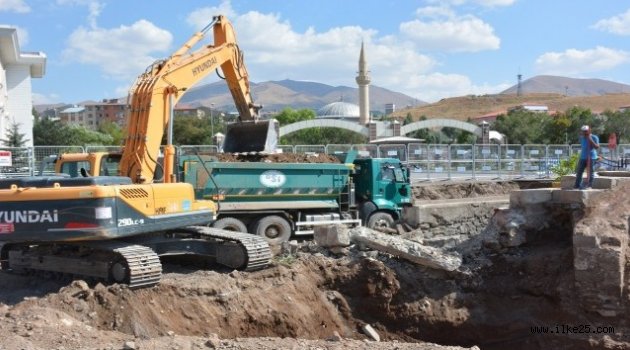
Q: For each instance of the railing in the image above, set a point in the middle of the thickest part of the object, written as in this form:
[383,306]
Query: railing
[426,161]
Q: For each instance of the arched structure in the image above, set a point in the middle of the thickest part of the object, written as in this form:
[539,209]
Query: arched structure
[440,123]
[324,123]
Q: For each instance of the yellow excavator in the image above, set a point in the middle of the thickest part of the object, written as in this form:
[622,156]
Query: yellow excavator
[115,228]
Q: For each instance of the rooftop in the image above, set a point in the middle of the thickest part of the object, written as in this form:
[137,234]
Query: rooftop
[10,53]
[339,110]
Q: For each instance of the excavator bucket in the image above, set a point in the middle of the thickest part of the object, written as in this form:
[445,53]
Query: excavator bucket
[254,136]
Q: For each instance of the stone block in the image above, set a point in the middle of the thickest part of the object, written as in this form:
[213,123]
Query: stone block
[332,236]
[416,216]
[567,182]
[579,197]
[522,198]
[604,183]
[599,182]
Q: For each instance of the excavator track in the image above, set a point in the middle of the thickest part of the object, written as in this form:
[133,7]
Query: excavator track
[256,250]
[117,262]
[143,265]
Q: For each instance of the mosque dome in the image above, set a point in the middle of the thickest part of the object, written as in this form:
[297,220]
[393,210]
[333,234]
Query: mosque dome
[339,110]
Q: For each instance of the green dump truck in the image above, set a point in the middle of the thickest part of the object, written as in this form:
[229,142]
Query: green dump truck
[280,200]
[277,200]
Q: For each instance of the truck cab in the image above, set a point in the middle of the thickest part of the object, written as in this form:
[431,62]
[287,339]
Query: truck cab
[382,189]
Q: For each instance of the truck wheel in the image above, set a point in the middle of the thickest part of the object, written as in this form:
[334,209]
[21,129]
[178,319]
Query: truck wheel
[274,228]
[380,219]
[230,224]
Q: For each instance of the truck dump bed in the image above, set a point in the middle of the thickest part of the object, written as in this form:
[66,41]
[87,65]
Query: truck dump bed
[234,182]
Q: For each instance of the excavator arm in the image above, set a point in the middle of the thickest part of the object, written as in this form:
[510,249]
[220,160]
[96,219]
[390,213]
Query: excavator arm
[157,90]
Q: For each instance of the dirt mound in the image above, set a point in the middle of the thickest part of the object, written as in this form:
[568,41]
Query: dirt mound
[493,301]
[278,158]
[463,190]
[190,309]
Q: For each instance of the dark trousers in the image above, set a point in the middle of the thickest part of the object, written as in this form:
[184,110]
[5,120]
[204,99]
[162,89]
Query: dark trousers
[581,166]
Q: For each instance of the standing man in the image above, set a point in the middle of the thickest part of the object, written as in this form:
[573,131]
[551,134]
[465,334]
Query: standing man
[588,156]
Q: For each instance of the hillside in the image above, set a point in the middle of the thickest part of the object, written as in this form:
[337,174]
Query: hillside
[569,86]
[466,107]
[276,95]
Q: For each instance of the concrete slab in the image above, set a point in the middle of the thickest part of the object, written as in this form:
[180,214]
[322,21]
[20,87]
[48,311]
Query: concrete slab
[599,182]
[579,197]
[523,198]
[442,212]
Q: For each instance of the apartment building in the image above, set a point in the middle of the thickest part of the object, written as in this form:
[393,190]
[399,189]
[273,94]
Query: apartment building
[16,71]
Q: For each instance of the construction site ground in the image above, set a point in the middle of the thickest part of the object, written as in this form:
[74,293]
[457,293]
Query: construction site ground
[317,299]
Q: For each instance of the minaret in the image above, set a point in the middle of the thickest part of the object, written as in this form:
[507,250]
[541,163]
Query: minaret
[363,80]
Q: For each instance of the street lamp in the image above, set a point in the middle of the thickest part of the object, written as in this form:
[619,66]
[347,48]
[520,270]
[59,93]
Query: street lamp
[211,124]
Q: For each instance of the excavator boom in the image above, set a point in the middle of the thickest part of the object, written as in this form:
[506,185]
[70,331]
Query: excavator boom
[157,90]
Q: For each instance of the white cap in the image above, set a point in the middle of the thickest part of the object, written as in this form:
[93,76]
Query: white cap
[584,128]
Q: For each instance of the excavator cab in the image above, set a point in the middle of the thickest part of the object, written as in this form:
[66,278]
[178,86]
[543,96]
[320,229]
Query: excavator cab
[251,136]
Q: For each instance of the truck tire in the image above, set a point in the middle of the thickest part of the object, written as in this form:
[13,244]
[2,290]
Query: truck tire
[230,224]
[380,219]
[274,228]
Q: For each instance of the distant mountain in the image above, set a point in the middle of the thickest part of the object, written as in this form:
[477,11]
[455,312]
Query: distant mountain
[276,95]
[569,86]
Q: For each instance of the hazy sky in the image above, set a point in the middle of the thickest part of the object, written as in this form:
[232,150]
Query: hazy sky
[427,49]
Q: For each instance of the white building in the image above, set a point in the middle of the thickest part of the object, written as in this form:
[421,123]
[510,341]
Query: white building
[16,71]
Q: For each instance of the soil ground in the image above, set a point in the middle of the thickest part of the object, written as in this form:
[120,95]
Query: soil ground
[319,300]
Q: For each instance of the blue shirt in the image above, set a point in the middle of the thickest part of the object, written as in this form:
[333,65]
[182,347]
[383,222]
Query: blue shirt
[586,146]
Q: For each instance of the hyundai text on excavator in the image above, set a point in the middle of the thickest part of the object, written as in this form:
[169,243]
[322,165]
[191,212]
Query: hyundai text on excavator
[116,227]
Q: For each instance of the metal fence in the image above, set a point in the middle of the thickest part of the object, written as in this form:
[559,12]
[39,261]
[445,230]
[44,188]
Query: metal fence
[426,161]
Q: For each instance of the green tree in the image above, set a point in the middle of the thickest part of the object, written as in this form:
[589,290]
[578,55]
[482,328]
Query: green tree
[81,136]
[13,137]
[522,126]
[113,130]
[191,130]
[581,116]
[47,132]
[619,123]
[290,115]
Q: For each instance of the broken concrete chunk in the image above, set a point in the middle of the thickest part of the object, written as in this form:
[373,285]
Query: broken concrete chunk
[332,236]
[370,332]
[408,250]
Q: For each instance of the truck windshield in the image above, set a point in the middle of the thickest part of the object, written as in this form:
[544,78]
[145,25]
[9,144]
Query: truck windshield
[392,174]
[399,175]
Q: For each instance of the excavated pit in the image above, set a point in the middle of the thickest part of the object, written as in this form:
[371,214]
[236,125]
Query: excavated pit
[493,301]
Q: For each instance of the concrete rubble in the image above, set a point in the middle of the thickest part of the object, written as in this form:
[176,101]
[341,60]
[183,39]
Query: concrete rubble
[370,332]
[405,249]
[335,236]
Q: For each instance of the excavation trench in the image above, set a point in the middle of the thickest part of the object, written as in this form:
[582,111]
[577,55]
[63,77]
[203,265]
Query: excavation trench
[492,301]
